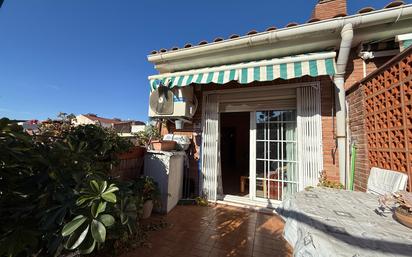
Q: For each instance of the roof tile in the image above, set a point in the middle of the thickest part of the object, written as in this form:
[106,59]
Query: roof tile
[292,24]
[394,4]
[252,32]
[271,28]
[313,20]
[366,9]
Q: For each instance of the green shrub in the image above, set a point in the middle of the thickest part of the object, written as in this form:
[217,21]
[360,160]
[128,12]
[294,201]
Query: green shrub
[56,191]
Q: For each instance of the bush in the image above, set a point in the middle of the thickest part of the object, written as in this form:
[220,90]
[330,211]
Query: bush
[56,191]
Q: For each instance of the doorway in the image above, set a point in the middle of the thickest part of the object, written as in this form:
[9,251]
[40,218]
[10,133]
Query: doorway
[234,149]
[275,120]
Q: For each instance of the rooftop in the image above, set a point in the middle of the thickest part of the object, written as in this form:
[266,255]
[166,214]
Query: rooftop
[220,39]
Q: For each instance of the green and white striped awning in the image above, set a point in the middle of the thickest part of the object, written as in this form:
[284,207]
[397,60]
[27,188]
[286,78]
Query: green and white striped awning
[313,64]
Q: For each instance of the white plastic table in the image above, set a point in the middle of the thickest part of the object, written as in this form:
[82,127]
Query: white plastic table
[327,222]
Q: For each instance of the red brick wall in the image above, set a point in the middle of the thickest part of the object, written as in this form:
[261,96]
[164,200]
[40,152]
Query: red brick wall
[383,138]
[355,70]
[327,9]
[357,133]
[330,154]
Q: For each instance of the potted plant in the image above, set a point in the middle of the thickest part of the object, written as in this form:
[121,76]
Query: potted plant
[146,136]
[151,137]
[150,194]
[400,203]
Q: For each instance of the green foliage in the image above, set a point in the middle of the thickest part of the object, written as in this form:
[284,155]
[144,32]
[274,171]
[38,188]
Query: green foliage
[58,177]
[201,201]
[324,182]
[148,189]
[88,229]
[148,134]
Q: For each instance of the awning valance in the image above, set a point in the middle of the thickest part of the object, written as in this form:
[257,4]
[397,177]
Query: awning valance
[313,64]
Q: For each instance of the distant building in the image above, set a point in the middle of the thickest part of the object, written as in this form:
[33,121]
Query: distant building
[121,127]
[30,126]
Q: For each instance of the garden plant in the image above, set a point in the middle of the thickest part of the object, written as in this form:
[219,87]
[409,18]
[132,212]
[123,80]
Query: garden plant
[57,195]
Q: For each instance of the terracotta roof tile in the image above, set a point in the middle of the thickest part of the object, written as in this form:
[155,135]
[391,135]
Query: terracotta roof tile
[252,32]
[394,4]
[366,9]
[203,42]
[340,15]
[313,20]
[174,48]
[218,39]
[292,24]
[271,28]
[187,45]
[234,36]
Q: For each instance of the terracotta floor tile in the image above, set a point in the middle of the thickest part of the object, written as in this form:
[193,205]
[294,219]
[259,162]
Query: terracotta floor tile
[217,231]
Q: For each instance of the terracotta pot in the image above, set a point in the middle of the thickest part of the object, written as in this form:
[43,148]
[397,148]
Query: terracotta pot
[147,209]
[164,145]
[403,217]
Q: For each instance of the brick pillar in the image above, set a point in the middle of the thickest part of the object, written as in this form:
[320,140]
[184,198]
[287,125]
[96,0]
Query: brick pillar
[327,9]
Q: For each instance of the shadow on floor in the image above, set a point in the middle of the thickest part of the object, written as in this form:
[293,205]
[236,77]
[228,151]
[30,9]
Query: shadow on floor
[217,231]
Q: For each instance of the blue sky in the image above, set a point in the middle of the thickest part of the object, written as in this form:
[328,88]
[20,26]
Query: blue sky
[80,56]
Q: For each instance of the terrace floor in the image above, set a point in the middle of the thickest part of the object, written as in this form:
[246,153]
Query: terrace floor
[219,230]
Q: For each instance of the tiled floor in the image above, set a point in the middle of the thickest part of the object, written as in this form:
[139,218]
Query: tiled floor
[217,231]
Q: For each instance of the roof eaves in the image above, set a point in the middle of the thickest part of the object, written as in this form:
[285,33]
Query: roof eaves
[291,25]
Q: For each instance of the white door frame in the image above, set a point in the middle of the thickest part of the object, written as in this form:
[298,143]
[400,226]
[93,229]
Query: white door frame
[260,93]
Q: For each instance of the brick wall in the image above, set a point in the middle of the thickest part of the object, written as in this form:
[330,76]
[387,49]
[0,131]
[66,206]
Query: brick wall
[356,113]
[380,118]
[327,9]
[330,154]
[355,70]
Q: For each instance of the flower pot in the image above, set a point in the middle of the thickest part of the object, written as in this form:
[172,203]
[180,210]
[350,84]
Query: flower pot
[147,209]
[164,145]
[403,217]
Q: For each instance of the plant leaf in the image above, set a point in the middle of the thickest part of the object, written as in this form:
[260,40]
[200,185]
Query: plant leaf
[76,239]
[107,219]
[111,189]
[103,186]
[95,186]
[96,209]
[98,231]
[83,199]
[88,245]
[70,227]
[110,197]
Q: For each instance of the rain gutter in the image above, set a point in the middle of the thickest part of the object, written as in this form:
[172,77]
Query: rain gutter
[164,62]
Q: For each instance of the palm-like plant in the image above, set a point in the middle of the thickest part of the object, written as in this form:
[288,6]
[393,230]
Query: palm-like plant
[89,228]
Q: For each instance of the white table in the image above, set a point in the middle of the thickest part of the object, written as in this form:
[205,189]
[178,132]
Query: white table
[327,222]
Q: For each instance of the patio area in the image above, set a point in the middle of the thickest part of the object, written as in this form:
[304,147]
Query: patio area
[217,231]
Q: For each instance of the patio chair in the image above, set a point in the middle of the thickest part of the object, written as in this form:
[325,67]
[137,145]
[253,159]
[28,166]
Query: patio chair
[383,181]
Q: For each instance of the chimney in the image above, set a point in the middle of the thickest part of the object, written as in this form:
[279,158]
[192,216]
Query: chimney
[328,9]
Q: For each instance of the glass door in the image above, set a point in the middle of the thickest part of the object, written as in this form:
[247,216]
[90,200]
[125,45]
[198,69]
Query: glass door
[274,154]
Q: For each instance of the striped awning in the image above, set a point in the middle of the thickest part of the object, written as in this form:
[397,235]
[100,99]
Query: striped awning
[313,64]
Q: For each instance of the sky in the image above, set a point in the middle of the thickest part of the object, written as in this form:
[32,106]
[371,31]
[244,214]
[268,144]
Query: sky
[79,56]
